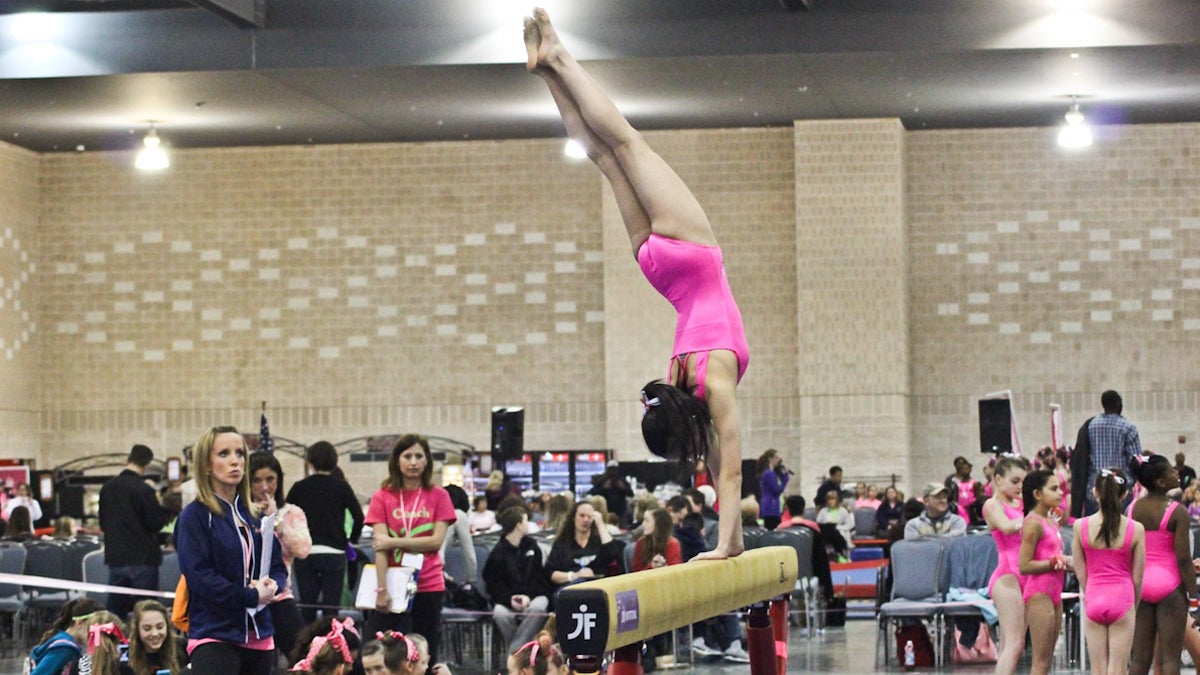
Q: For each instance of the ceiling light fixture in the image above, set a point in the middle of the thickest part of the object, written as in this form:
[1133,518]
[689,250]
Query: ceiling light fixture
[1076,133]
[152,157]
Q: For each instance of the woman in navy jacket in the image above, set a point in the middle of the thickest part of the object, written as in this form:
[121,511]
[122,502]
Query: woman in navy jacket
[772,479]
[219,541]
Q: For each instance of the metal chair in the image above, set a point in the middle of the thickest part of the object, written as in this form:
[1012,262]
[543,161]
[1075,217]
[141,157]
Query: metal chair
[916,594]
[12,561]
[864,523]
[44,559]
[95,571]
[168,572]
[457,623]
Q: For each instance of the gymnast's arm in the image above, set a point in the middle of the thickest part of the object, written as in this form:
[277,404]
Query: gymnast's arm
[726,459]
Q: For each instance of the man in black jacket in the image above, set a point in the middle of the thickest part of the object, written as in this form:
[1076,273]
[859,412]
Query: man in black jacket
[516,580]
[131,518]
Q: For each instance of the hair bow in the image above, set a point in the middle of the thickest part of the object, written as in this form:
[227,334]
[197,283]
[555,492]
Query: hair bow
[97,629]
[1109,473]
[648,403]
[533,646]
[1013,455]
[410,648]
[333,638]
[348,626]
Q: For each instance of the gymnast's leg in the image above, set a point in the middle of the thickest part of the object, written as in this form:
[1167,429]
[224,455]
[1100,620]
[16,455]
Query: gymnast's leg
[671,208]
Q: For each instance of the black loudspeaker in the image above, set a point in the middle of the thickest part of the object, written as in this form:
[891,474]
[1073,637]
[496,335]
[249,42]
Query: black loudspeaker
[508,434]
[995,425]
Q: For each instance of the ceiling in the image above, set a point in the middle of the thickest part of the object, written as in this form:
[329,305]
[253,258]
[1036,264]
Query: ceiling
[369,71]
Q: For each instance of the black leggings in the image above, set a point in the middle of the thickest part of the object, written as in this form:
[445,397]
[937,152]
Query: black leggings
[424,619]
[222,658]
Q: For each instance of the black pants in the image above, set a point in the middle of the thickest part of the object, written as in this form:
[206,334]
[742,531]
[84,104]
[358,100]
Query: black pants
[285,617]
[424,619]
[771,522]
[320,579]
[144,577]
[219,658]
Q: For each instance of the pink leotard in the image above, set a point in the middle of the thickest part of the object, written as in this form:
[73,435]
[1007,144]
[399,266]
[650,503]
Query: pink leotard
[1008,550]
[692,277]
[1161,576]
[1109,591]
[1050,583]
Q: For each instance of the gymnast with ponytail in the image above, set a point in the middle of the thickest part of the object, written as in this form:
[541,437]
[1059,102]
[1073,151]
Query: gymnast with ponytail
[1108,552]
[539,656]
[693,415]
[1169,578]
[394,653]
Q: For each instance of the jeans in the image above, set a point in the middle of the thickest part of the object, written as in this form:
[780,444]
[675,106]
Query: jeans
[517,628]
[144,577]
[320,579]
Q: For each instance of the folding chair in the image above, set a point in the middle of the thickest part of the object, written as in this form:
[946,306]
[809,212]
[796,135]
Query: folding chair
[916,591]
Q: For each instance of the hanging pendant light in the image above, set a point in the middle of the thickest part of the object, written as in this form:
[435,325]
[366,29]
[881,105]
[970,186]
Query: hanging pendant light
[152,157]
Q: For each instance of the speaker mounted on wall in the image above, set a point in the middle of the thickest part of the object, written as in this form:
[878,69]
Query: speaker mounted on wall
[995,425]
[508,434]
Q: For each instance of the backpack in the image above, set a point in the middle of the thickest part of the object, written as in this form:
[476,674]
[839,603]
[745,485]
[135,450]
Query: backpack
[32,660]
[179,608]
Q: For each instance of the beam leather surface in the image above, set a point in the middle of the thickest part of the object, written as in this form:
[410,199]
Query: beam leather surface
[599,616]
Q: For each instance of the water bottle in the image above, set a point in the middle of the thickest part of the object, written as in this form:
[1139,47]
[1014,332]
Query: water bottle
[910,656]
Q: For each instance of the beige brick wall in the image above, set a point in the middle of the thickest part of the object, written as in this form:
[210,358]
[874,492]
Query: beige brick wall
[20,321]
[852,270]
[887,279]
[1057,275]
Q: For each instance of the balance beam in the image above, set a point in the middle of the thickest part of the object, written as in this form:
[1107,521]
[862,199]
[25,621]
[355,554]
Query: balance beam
[599,616]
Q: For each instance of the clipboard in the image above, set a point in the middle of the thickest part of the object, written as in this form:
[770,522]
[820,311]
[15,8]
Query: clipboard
[398,579]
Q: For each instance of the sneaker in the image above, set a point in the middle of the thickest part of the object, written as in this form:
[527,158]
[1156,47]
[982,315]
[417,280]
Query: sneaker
[702,649]
[735,653]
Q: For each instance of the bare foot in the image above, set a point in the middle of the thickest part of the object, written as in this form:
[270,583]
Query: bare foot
[719,553]
[550,48]
[533,40]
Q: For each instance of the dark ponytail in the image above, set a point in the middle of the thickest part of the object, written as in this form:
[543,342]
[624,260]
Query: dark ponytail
[675,425]
[1148,470]
[1110,485]
[1034,481]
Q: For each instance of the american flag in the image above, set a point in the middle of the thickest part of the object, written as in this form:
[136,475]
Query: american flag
[265,444]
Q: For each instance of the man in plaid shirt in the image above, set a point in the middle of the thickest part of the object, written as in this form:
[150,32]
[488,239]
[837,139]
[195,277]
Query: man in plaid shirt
[1114,441]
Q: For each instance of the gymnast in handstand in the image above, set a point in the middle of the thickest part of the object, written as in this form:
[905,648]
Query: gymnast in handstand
[694,413]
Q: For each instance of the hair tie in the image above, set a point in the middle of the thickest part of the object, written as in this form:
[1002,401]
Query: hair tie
[410,648]
[97,629]
[533,646]
[648,403]
[1109,473]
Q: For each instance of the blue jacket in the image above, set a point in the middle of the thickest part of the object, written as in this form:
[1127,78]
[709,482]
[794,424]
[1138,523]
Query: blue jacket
[54,655]
[212,559]
[772,484]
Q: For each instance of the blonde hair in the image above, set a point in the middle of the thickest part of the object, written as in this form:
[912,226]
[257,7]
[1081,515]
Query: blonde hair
[202,470]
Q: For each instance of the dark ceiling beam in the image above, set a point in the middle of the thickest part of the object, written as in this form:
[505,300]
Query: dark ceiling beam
[20,6]
[243,13]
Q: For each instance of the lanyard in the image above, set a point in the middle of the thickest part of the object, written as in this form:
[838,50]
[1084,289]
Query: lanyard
[406,516]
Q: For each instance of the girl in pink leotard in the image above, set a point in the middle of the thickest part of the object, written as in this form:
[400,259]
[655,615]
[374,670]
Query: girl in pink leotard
[1043,564]
[1004,515]
[696,409]
[1109,555]
[1169,578]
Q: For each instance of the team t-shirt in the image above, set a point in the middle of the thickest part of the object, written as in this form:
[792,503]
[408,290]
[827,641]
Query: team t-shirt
[418,509]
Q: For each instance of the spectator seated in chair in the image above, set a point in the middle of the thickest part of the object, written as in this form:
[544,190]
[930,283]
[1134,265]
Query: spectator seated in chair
[936,520]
